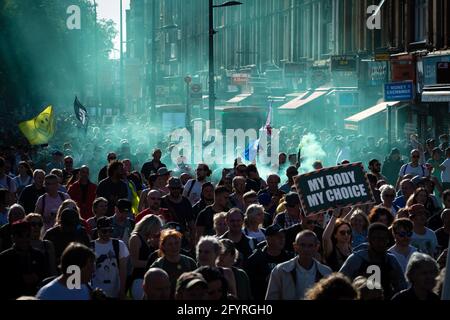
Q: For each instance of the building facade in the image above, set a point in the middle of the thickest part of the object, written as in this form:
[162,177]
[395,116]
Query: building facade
[289,47]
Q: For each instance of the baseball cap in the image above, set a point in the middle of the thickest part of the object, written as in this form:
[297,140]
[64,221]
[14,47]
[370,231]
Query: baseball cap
[175,183]
[292,199]
[163,171]
[124,205]
[189,279]
[274,230]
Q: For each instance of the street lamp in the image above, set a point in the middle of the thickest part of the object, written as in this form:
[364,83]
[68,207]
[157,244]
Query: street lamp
[212,95]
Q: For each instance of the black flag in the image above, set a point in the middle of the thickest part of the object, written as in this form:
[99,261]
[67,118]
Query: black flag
[80,112]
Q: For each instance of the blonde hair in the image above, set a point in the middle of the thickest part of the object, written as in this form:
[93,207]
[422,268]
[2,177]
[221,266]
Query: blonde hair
[64,205]
[251,212]
[147,225]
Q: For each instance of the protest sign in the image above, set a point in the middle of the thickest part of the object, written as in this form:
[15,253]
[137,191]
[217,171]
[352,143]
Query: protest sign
[328,188]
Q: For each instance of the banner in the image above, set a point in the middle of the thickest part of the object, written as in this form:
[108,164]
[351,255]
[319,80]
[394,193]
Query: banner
[325,189]
[40,129]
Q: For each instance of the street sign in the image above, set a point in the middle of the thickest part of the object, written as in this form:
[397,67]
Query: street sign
[399,91]
[196,91]
[382,56]
[341,186]
[343,63]
[240,78]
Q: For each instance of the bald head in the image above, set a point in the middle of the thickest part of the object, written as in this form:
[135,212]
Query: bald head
[156,285]
[154,200]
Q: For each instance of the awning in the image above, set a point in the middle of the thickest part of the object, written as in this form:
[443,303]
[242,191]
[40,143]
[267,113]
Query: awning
[371,111]
[436,93]
[303,99]
[239,98]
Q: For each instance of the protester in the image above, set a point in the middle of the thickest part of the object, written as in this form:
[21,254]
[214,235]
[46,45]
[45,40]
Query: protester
[206,199]
[253,221]
[337,242]
[291,215]
[205,219]
[156,285]
[99,209]
[332,288]
[375,254]
[423,239]
[220,224]
[290,280]
[193,188]
[402,230]
[360,224]
[103,173]
[111,261]
[113,188]
[237,197]
[191,286]
[217,284]
[421,272]
[15,213]
[22,267]
[152,166]
[391,166]
[25,176]
[31,193]
[171,260]
[261,263]
[75,254]
[83,192]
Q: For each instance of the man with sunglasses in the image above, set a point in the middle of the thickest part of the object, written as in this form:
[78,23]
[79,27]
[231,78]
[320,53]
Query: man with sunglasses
[375,169]
[193,188]
[154,207]
[111,261]
[414,168]
[402,230]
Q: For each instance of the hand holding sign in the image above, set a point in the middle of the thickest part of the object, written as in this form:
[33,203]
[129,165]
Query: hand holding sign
[337,187]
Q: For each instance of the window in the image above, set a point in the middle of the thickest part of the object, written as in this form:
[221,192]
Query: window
[421,20]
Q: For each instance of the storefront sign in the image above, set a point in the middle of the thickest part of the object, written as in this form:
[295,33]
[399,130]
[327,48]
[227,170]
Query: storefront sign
[399,91]
[343,63]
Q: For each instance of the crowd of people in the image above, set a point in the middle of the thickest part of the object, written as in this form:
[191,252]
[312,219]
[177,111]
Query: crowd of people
[133,229]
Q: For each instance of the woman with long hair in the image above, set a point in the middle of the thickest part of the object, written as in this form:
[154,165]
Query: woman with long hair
[421,196]
[360,225]
[141,246]
[337,242]
[253,221]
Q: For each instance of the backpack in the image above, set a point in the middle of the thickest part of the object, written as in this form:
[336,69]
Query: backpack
[190,188]
[116,248]
[421,166]
[61,195]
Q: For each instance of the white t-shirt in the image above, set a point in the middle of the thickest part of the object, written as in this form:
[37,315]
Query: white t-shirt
[106,275]
[56,291]
[402,260]
[258,235]
[305,279]
[196,191]
[425,243]
[445,174]
[420,170]
[51,208]
[8,183]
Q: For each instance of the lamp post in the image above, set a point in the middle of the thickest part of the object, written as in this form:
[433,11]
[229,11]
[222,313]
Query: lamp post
[212,94]
[121,105]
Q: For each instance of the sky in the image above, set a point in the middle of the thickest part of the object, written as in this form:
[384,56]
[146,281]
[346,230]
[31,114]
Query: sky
[110,9]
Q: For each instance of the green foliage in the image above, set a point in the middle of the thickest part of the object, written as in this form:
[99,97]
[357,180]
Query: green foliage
[42,61]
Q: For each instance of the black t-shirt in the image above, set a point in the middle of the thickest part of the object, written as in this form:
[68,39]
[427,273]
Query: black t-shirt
[442,238]
[29,196]
[14,265]
[198,207]
[148,168]
[61,239]
[181,212]
[206,219]
[112,191]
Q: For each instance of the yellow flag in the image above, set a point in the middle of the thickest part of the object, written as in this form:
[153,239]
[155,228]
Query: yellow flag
[40,129]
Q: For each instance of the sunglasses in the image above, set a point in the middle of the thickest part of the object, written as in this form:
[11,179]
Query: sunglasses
[404,234]
[345,232]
